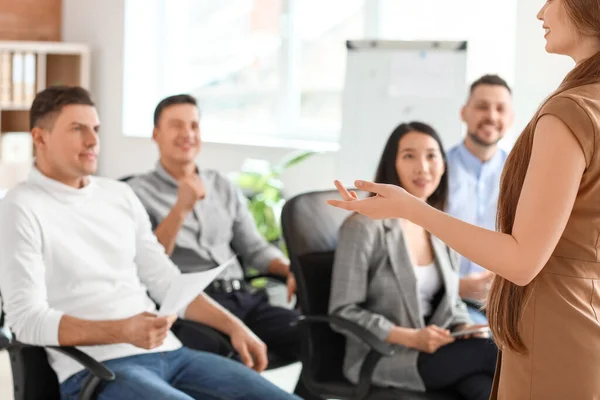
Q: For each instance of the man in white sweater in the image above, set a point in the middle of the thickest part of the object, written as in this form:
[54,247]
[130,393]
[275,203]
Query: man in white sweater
[77,257]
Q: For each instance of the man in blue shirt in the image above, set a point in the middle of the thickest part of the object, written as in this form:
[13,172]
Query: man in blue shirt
[474,169]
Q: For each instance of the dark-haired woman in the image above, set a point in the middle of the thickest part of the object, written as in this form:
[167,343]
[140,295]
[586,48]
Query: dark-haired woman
[375,261]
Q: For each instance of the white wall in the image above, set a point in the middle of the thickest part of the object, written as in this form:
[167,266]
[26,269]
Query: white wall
[537,73]
[100,24]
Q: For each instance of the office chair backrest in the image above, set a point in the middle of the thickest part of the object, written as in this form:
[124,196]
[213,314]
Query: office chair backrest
[310,230]
[33,378]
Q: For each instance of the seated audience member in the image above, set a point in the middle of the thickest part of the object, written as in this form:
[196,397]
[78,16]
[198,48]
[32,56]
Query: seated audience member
[202,220]
[401,283]
[474,169]
[77,257]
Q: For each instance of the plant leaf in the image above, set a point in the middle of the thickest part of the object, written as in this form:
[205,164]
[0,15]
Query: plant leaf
[292,159]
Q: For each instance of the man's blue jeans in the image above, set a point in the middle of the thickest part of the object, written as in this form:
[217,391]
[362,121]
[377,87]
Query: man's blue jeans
[183,374]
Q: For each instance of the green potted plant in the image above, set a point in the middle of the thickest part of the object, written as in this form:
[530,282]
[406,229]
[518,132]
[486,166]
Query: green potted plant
[260,181]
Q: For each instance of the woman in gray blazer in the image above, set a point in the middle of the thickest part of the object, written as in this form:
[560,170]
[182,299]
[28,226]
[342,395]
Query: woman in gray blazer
[401,283]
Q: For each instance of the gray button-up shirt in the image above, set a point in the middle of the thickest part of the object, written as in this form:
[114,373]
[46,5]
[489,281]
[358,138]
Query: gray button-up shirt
[219,227]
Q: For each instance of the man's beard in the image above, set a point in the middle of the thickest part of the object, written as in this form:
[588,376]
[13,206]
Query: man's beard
[480,142]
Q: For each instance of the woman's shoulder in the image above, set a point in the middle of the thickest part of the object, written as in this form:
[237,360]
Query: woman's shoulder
[358,221]
[585,97]
[588,90]
[578,107]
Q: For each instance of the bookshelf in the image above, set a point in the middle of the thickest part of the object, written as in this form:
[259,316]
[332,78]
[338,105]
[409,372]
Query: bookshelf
[27,67]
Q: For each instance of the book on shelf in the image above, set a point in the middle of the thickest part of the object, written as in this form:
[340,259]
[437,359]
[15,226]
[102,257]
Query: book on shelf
[17,78]
[5,78]
[29,75]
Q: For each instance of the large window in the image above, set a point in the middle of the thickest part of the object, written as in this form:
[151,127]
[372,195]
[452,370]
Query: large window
[271,72]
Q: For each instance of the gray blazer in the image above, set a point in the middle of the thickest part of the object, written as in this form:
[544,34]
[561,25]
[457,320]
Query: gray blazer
[374,285]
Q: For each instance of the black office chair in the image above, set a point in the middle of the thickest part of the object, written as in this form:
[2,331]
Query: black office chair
[34,379]
[310,229]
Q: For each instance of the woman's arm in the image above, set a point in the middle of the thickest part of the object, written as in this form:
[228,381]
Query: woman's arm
[551,184]
[549,191]
[359,247]
[461,313]
[357,243]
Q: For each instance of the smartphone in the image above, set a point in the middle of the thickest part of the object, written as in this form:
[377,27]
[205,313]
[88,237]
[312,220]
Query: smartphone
[484,329]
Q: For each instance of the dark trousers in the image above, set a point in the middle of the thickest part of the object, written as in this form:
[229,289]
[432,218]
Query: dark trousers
[467,366]
[273,325]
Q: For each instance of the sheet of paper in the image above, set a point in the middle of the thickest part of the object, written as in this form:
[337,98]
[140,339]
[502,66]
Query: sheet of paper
[186,287]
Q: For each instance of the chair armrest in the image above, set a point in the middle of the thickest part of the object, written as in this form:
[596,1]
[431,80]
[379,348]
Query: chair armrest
[383,348]
[207,331]
[4,341]
[96,368]
[473,303]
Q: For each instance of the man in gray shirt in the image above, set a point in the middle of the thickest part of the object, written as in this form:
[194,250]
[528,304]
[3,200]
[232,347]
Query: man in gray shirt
[202,220]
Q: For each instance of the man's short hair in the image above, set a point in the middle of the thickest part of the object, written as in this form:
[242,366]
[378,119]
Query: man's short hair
[49,103]
[171,101]
[493,80]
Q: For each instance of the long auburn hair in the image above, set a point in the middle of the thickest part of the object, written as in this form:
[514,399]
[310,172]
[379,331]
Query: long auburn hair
[506,300]
[386,170]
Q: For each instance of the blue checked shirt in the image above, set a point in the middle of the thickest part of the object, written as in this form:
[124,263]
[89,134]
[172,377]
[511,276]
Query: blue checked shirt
[473,191]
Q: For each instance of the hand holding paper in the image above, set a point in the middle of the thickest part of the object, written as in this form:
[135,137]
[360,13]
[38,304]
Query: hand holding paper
[186,287]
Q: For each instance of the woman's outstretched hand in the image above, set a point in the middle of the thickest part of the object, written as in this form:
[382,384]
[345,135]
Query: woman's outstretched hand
[390,201]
